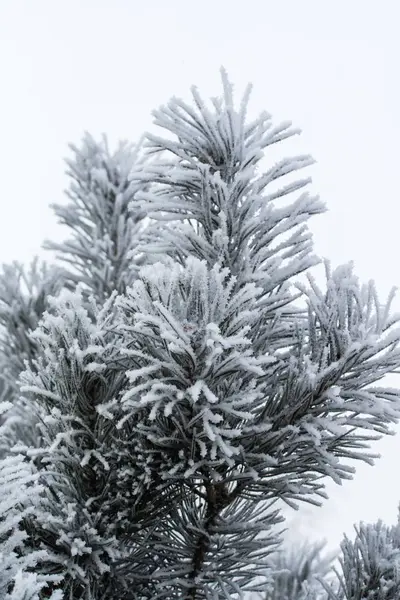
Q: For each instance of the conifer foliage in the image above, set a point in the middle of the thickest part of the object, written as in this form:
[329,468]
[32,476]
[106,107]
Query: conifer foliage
[370,564]
[179,401]
[104,231]
[297,570]
[24,294]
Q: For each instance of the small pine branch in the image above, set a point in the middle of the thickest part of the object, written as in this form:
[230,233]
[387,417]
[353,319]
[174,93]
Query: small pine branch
[75,470]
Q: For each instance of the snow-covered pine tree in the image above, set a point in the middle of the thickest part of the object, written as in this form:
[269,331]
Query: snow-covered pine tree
[236,396]
[180,412]
[100,252]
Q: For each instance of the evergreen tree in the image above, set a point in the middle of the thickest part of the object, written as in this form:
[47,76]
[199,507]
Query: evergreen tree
[23,300]
[367,568]
[246,398]
[182,401]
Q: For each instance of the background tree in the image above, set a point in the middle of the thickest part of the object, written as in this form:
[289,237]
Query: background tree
[20,497]
[23,299]
[369,565]
[296,571]
[100,255]
[366,568]
[100,215]
[104,226]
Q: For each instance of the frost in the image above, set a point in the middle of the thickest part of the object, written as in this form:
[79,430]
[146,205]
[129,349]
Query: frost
[104,231]
[177,381]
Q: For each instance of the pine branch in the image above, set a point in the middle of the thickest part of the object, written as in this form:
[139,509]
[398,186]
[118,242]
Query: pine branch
[105,228]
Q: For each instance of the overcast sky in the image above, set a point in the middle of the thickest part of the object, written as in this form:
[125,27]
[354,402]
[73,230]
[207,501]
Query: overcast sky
[67,66]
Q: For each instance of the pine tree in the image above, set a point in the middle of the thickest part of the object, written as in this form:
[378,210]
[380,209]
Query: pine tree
[183,401]
[367,568]
[242,397]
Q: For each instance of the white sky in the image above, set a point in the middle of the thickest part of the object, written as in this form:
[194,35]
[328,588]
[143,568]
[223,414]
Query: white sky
[331,67]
